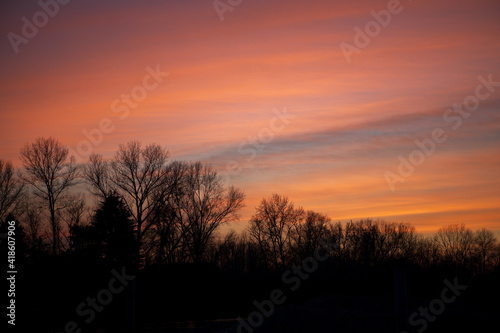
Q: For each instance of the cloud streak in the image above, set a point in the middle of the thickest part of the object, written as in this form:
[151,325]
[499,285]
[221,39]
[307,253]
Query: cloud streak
[352,120]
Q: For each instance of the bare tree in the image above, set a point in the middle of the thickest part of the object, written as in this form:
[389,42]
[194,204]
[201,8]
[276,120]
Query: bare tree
[363,241]
[231,252]
[74,210]
[495,260]
[72,214]
[426,252]
[30,212]
[397,240]
[10,188]
[337,233]
[201,205]
[272,227]
[308,234]
[372,242]
[485,242]
[143,178]
[456,243]
[51,172]
[97,175]
[163,241]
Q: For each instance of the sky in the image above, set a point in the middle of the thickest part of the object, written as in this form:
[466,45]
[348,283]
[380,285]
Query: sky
[356,109]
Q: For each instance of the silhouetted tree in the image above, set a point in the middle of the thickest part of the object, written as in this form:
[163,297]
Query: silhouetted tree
[140,176]
[10,188]
[485,243]
[230,252]
[164,239]
[371,242]
[362,237]
[426,253]
[337,234]
[30,210]
[97,175]
[110,236]
[114,232]
[397,240]
[272,227]
[163,242]
[82,239]
[308,233]
[495,260]
[74,210]
[456,243]
[201,205]
[51,172]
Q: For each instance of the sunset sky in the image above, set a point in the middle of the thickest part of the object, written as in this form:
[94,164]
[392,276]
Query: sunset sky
[348,123]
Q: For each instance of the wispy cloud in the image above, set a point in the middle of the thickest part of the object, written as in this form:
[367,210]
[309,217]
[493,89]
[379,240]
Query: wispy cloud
[226,78]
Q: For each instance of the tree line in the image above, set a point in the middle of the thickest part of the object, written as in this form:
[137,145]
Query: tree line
[151,210]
